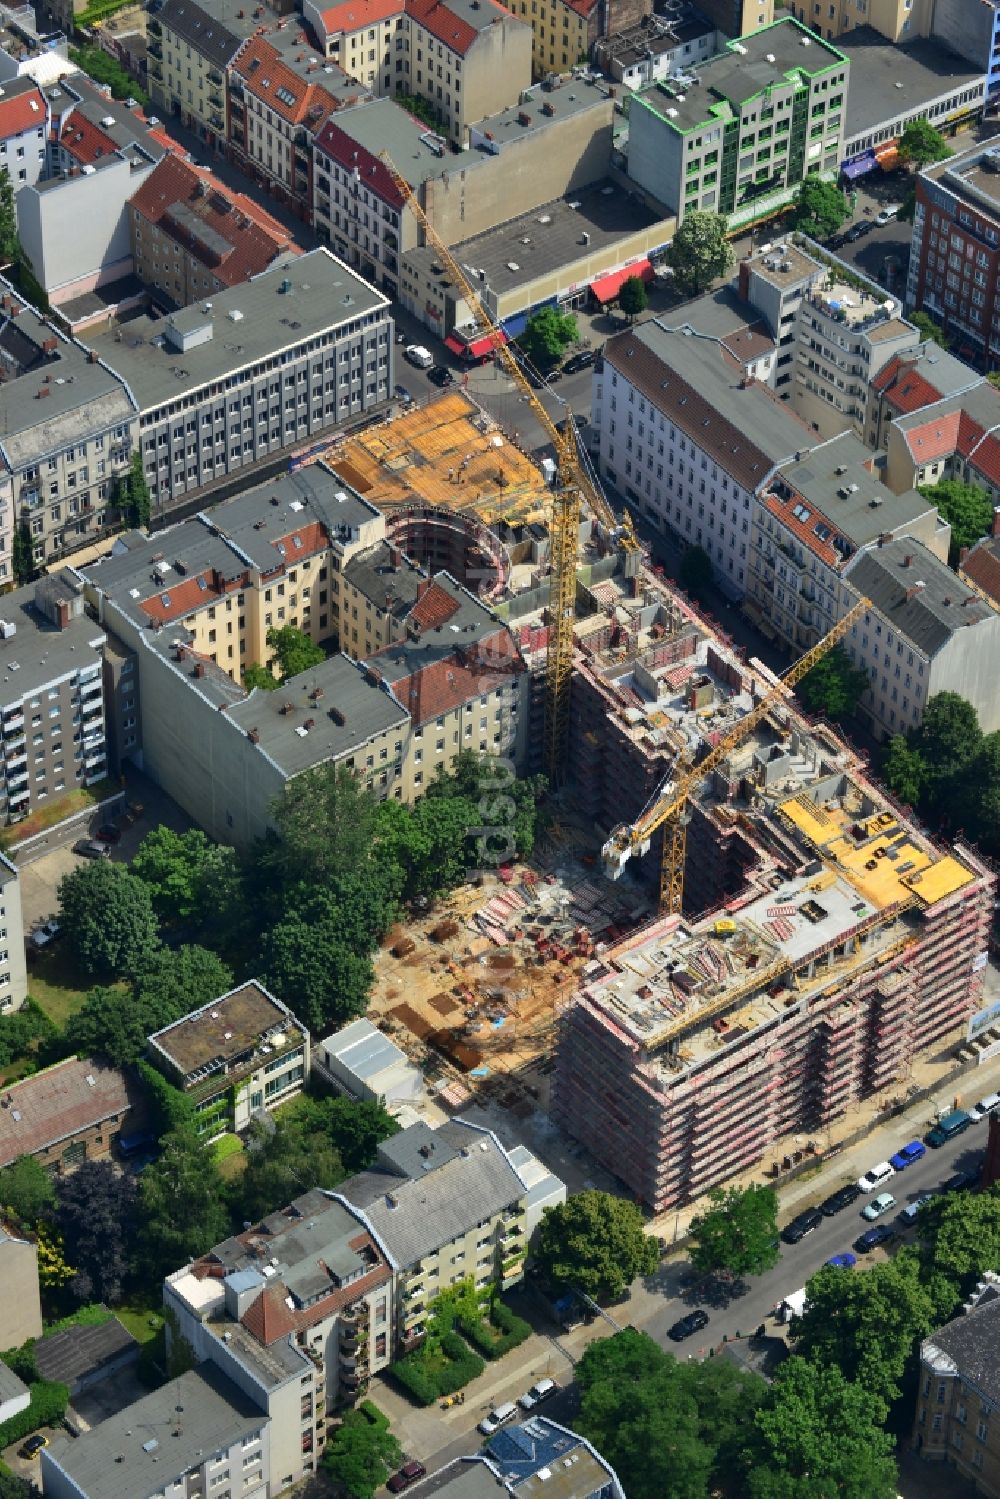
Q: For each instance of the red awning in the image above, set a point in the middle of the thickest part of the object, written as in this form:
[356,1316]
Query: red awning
[606,288]
[485,345]
[454,343]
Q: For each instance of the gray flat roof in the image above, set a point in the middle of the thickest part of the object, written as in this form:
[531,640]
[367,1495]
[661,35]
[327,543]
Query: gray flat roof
[376,574]
[965,175]
[39,652]
[383,125]
[929,617]
[11,1388]
[226,1028]
[214,29]
[463,1478]
[467,621]
[135,1454]
[607,211]
[81,398]
[364,1049]
[925,68]
[636,42]
[321,293]
[818,480]
[737,75]
[363,708]
[544,104]
[67,1356]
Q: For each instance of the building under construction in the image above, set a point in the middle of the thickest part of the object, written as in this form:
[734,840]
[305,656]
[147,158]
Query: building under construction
[835,942]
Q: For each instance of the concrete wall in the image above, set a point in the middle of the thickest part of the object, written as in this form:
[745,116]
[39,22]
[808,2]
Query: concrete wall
[494,71]
[76,232]
[20,1304]
[655,157]
[966,665]
[966,26]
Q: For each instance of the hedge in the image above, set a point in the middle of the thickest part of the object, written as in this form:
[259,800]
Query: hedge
[512,1328]
[46,1408]
[427,1384]
[371,1413]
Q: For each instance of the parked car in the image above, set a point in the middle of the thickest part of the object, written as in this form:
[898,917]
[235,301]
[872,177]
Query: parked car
[108,833]
[692,1323]
[908,1155]
[34,1445]
[988,1105]
[883,1203]
[962,1181]
[855,232]
[581,361]
[402,394]
[43,935]
[872,1238]
[875,1177]
[948,1128]
[909,1214]
[842,1198]
[91,848]
[543,1390]
[888,213]
[417,355]
[440,376]
[408,1474]
[846,1261]
[497,1418]
[802,1224]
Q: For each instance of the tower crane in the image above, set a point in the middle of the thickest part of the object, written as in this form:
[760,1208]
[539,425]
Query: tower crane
[571,487]
[666,809]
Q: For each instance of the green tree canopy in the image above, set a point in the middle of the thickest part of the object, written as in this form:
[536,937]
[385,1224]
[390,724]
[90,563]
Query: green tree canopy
[820,208]
[353,1127]
[26,1189]
[95,1212]
[948,740]
[633,297]
[834,686]
[920,144]
[108,919]
[22,552]
[174,981]
[959,1239]
[695,572]
[258,675]
[190,879]
[503,800]
[283,1160]
[738,1232]
[360,1454]
[547,335]
[968,509]
[294,651]
[594,1242]
[818,1437]
[308,964]
[928,328]
[181,1204]
[8,219]
[866,1325]
[326,823]
[109,1023]
[904,771]
[700,251]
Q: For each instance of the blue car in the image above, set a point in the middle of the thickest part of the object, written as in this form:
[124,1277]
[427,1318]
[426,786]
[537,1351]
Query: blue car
[908,1155]
[844,1261]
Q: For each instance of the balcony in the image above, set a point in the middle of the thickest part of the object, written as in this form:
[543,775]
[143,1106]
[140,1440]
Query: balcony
[217,120]
[216,97]
[214,76]
[154,27]
[14,723]
[155,48]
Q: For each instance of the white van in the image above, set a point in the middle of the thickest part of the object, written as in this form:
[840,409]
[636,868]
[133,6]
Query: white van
[418,355]
[888,213]
[538,1392]
[493,1422]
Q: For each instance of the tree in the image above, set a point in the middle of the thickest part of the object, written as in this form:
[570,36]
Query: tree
[904,771]
[135,502]
[968,509]
[26,1189]
[817,1437]
[959,1239]
[282,1161]
[976,804]
[12,1487]
[8,219]
[308,965]
[174,981]
[948,740]
[833,686]
[738,1232]
[547,334]
[695,571]
[700,251]
[190,879]
[355,1128]
[632,297]
[994,378]
[108,919]
[820,208]
[294,651]
[594,1243]
[360,1455]
[326,824]
[109,1023]
[929,329]
[505,804]
[181,1203]
[920,145]
[908,207]
[256,675]
[95,1211]
[22,553]
[866,1325]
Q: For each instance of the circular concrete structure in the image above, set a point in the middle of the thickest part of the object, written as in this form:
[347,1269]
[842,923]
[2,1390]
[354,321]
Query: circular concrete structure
[442,540]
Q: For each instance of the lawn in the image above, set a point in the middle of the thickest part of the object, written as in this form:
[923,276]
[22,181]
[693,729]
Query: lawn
[52,983]
[143,1322]
[227,1151]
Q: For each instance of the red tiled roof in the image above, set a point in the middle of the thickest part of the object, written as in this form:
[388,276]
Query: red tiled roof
[182,598]
[982,566]
[936,439]
[312,538]
[167,142]
[984,458]
[444,685]
[805,530]
[434,607]
[58,1104]
[268,1319]
[20,112]
[581,7]
[911,391]
[353,15]
[255,238]
[85,141]
[259,63]
[342,148]
[442,23]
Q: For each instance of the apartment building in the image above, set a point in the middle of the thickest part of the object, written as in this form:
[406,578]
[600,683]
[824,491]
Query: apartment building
[189,48]
[687,442]
[243,1052]
[52,706]
[955,438]
[197,1434]
[738,18]
[220,386]
[810,521]
[447,1205]
[360,36]
[656,47]
[21,1310]
[979,566]
[957,1415]
[13,964]
[955,246]
[65,1114]
[818,971]
[910,381]
[296,1310]
[24,120]
[192,237]
[738,135]
[29,50]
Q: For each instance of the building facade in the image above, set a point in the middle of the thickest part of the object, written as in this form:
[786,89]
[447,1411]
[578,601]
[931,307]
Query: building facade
[240,1054]
[24,129]
[738,135]
[21,1313]
[189,49]
[13,964]
[957,1417]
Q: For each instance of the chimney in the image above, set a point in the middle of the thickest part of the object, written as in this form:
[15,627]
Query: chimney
[49,345]
[253,735]
[912,592]
[199,668]
[908,560]
[396,557]
[91,356]
[996,520]
[422,587]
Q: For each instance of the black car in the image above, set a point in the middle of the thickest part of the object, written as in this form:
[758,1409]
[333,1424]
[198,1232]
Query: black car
[804,1223]
[837,243]
[856,231]
[692,1323]
[581,361]
[873,1237]
[440,376]
[91,848]
[402,394]
[962,1181]
[837,1201]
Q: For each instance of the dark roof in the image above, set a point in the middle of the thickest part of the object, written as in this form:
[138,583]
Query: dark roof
[68,1356]
[215,37]
[973,1342]
[386,577]
[927,615]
